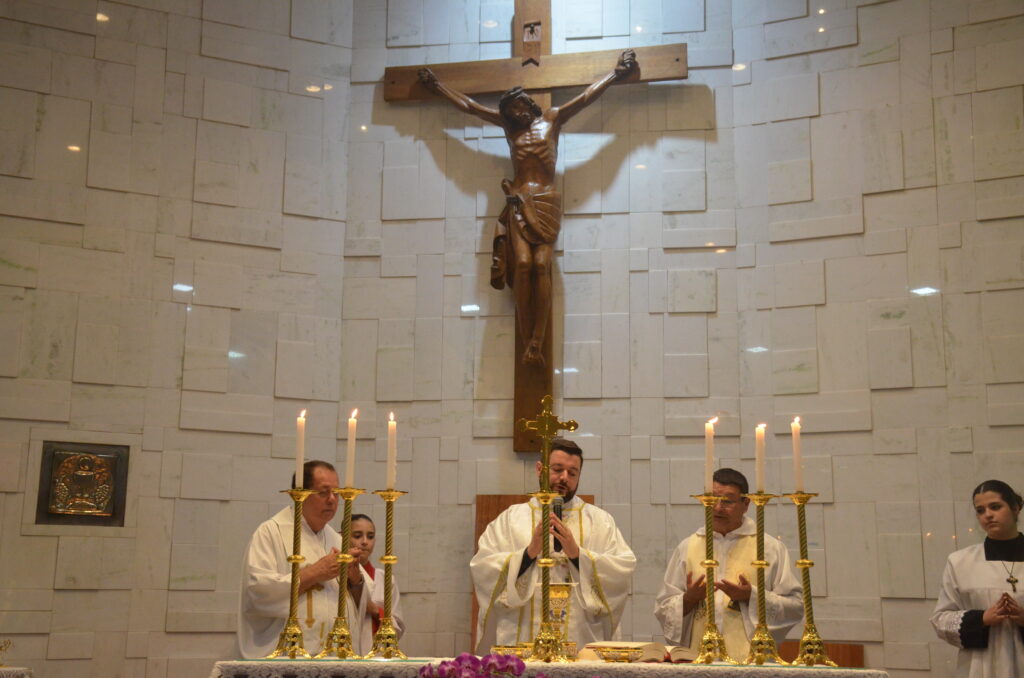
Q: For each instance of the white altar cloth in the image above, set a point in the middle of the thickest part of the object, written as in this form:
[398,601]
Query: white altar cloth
[354,668]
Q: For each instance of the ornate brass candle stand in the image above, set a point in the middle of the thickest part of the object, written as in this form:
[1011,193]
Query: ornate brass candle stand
[712,644]
[547,646]
[762,644]
[812,647]
[339,640]
[385,642]
[289,644]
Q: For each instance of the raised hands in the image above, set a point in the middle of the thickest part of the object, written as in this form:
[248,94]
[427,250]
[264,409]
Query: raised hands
[738,591]
[569,546]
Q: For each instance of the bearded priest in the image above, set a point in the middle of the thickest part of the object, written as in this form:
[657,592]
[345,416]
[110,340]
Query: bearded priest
[588,550]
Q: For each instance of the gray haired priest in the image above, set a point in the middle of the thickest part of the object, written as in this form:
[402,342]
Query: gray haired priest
[266,575]
[589,551]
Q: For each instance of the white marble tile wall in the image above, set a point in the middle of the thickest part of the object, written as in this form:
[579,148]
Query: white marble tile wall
[210,219]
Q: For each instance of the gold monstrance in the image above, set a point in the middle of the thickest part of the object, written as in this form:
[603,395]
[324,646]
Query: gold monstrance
[547,646]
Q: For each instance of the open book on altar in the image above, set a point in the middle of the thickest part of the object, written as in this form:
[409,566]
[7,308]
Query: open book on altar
[624,651]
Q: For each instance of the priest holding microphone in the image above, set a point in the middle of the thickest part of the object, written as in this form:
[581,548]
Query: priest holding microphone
[588,549]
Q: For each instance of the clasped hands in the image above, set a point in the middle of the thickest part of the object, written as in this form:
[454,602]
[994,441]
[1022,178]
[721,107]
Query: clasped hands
[569,546]
[1005,609]
[738,591]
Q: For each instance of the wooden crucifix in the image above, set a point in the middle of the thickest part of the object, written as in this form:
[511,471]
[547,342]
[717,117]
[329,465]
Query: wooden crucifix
[530,223]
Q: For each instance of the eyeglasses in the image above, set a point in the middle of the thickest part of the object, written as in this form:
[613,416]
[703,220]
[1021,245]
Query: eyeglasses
[325,494]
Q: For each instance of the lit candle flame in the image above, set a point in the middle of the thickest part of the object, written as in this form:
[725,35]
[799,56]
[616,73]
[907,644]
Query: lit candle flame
[354,413]
[713,421]
[302,414]
[796,420]
[391,416]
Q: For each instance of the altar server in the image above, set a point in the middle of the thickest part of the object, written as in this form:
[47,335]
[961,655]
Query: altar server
[364,538]
[981,600]
[592,555]
[680,603]
[266,573]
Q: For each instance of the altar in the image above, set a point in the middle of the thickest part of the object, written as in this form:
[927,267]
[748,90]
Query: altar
[276,668]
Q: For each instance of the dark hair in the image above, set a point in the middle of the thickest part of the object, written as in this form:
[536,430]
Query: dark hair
[307,471]
[511,95]
[569,447]
[1012,499]
[730,476]
[363,516]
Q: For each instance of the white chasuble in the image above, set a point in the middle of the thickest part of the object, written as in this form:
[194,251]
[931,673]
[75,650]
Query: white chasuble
[266,589]
[510,606]
[734,552]
[970,582]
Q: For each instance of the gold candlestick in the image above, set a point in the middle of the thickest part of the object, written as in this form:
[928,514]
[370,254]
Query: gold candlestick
[385,642]
[3,648]
[712,644]
[762,643]
[289,644]
[547,646]
[339,640]
[812,647]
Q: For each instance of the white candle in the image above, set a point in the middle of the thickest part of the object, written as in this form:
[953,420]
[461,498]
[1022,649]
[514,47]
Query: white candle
[300,447]
[759,456]
[350,456]
[392,451]
[709,453]
[798,469]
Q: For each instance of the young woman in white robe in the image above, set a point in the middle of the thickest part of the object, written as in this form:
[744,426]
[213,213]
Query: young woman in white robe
[364,538]
[981,604]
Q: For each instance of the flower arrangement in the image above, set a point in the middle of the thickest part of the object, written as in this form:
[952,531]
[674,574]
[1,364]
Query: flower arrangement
[467,665]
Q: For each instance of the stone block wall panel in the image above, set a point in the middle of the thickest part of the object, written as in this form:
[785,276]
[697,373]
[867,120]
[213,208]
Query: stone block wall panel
[210,220]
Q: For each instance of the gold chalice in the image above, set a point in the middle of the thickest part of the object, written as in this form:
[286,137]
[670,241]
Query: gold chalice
[560,596]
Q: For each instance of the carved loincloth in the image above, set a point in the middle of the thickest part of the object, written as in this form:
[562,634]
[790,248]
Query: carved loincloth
[536,217]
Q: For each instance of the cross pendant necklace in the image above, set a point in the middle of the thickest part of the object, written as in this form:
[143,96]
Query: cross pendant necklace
[1011,580]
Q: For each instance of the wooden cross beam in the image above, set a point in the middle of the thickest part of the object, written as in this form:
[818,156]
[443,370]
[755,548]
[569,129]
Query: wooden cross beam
[534,68]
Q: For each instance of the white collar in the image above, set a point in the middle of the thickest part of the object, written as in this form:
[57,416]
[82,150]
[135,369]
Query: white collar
[747,527]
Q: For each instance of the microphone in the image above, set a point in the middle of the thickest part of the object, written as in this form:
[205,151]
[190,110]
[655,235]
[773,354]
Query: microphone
[556,505]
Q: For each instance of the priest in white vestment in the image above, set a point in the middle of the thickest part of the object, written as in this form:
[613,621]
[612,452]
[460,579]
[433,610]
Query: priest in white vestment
[592,554]
[680,605]
[266,574]
[980,609]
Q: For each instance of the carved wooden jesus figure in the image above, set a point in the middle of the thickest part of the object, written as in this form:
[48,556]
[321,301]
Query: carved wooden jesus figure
[524,238]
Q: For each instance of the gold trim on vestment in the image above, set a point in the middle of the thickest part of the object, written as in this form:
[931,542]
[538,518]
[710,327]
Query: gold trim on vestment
[498,586]
[597,584]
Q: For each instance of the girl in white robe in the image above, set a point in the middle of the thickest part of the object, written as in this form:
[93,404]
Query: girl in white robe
[364,537]
[981,604]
